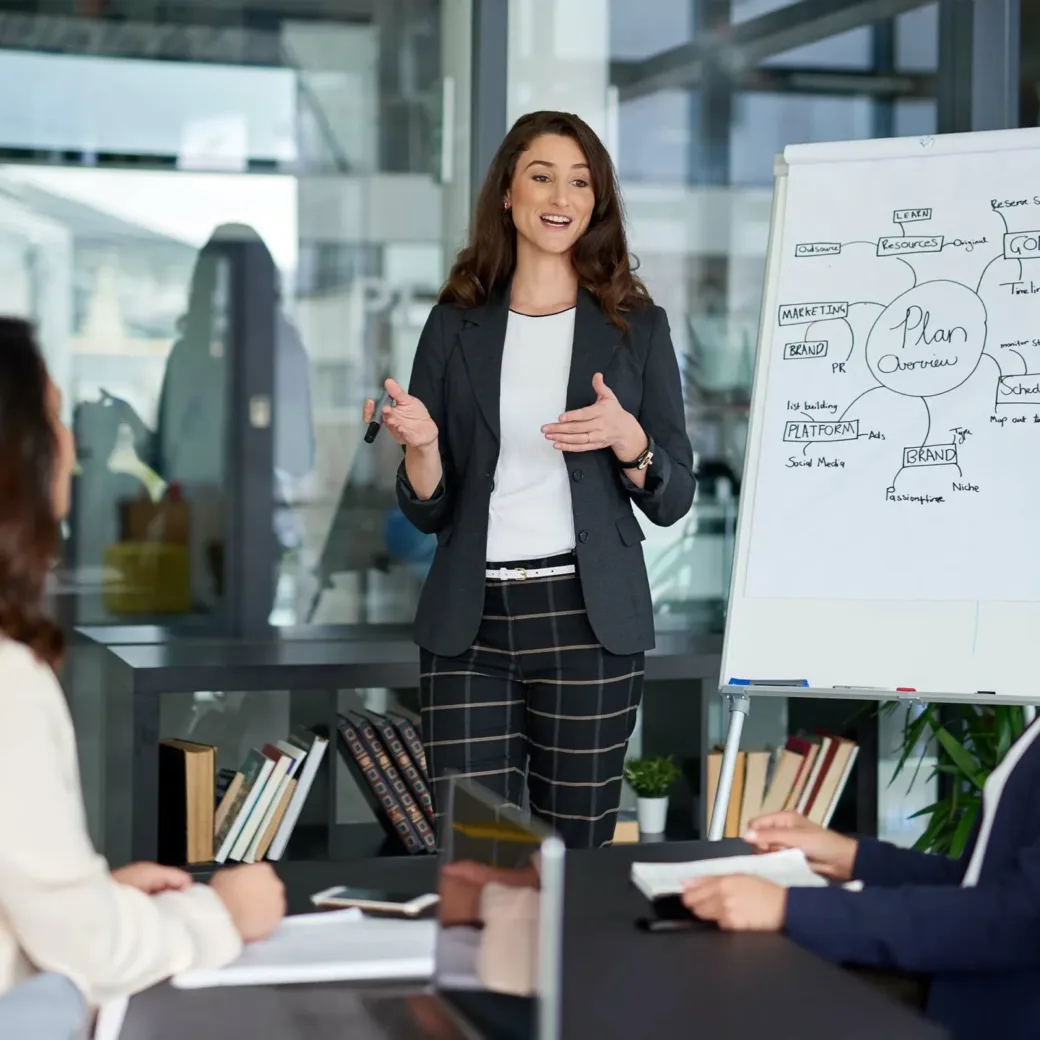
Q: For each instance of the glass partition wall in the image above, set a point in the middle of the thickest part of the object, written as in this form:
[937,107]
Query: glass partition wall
[229,222]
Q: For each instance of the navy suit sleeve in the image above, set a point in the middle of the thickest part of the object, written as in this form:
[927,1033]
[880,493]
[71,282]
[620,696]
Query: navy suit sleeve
[879,863]
[668,493]
[427,383]
[926,928]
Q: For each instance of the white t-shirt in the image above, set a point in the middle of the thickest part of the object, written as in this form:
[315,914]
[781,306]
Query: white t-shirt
[530,513]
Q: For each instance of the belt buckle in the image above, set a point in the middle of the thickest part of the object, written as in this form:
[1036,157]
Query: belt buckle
[521,573]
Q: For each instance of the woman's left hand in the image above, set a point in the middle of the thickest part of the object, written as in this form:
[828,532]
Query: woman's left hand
[604,424]
[737,903]
[153,878]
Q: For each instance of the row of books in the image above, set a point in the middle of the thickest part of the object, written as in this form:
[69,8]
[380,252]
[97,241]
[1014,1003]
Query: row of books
[242,815]
[385,754]
[807,775]
[248,814]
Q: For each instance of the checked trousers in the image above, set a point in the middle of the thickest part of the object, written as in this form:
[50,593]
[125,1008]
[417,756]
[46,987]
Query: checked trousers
[538,701]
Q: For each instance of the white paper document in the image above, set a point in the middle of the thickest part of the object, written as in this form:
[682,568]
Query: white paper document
[788,868]
[333,946]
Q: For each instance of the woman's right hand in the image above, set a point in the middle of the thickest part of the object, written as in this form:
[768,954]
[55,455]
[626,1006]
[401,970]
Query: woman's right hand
[407,419]
[830,854]
[254,896]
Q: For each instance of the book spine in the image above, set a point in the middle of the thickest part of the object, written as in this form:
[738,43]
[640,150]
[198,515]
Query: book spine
[415,815]
[408,768]
[257,770]
[271,788]
[303,787]
[413,743]
[172,844]
[387,803]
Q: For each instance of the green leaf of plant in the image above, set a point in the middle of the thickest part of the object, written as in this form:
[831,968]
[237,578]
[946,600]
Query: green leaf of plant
[964,826]
[936,834]
[911,730]
[1018,721]
[928,810]
[1004,732]
[960,757]
[651,777]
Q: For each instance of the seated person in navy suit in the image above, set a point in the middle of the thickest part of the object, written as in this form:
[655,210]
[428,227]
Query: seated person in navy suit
[972,925]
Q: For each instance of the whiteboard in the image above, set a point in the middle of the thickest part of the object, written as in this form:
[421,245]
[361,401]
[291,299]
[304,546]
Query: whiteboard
[889,533]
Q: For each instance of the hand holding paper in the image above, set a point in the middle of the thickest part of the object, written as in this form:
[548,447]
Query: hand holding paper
[788,868]
[738,893]
[828,853]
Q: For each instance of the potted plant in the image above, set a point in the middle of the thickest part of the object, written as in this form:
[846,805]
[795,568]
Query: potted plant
[651,779]
[969,743]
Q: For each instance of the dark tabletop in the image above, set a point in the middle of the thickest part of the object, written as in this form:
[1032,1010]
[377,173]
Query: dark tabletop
[619,981]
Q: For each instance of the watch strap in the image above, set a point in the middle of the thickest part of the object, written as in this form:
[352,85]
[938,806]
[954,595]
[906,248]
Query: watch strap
[643,459]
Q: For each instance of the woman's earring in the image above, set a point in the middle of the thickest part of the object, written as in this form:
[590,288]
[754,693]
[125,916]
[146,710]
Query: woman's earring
[505,204]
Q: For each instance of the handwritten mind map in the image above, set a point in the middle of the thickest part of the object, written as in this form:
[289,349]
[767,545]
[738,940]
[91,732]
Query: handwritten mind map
[900,436]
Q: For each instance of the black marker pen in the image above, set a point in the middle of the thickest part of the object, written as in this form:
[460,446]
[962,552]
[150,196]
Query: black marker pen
[377,418]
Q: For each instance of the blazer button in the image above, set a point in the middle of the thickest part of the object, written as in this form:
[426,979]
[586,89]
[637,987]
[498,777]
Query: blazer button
[583,536]
[577,475]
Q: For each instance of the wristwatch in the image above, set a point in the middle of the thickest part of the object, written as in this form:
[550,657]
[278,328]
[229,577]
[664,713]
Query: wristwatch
[642,460]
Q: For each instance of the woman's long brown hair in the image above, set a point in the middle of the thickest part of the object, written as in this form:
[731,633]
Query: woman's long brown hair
[30,535]
[600,257]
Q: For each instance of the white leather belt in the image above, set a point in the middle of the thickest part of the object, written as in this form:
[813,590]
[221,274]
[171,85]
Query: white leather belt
[524,573]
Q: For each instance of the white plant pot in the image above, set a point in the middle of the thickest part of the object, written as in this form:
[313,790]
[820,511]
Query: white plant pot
[652,814]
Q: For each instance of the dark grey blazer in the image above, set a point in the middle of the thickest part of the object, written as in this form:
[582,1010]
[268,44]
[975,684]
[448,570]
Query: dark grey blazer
[456,374]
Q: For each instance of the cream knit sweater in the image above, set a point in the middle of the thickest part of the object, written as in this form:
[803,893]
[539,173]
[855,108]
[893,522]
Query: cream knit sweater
[60,910]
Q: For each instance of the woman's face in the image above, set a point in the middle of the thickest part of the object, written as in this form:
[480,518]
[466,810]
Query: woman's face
[65,456]
[551,195]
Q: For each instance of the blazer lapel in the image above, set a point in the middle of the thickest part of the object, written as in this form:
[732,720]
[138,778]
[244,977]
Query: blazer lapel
[595,340]
[483,340]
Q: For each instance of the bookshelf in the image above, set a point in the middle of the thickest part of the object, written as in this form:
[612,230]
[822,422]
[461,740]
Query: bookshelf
[778,719]
[117,680]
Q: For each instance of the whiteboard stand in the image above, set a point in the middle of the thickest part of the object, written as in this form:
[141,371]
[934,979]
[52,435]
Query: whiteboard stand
[739,707]
[899,289]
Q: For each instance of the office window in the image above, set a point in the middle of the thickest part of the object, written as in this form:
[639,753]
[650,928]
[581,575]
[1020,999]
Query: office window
[197,200]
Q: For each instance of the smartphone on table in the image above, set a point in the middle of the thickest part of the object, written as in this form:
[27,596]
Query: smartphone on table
[375,901]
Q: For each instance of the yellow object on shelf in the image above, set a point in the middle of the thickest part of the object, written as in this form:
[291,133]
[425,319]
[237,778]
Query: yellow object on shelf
[147,578]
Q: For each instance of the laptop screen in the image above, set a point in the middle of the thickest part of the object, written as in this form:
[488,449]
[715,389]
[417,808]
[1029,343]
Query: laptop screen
[500,919]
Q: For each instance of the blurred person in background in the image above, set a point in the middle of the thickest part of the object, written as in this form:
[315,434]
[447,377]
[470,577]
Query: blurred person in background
[189,447]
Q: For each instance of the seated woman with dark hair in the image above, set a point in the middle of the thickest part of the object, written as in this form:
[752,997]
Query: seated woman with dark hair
[61,909]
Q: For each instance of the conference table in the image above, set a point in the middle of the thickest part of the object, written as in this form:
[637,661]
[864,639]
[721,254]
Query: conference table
[619,981]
